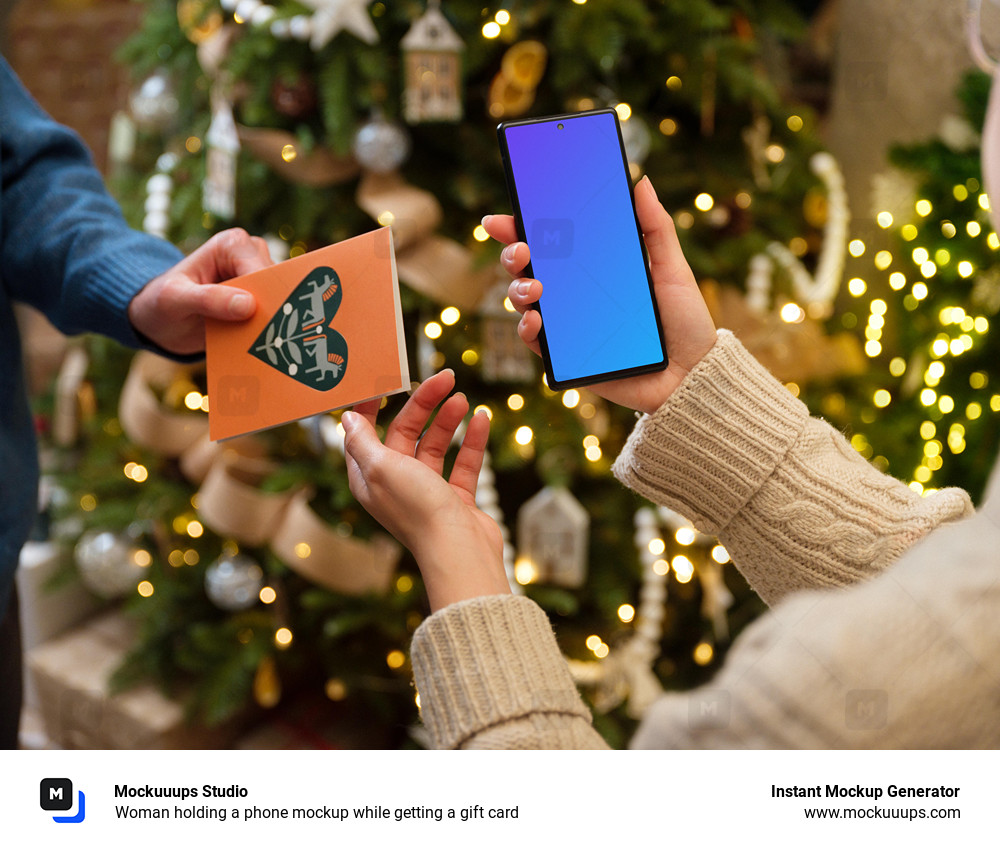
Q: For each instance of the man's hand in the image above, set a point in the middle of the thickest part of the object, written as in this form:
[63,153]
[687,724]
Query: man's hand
[171,309]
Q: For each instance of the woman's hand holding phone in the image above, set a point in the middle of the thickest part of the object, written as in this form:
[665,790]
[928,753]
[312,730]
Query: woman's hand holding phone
[687,325]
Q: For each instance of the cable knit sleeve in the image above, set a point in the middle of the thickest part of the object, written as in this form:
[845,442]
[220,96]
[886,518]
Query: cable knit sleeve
[490,676]
[792,502]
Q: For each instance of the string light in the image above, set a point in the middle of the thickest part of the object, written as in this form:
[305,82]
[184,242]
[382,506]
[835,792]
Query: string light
[283,638]
[515,401]
[145,588]
[626,613]
[792,313]
[703,654]
[267,595]
[720,555]
[395,659]
[450,315]
[523,435]
[685,535]
[683,568]
[525,571]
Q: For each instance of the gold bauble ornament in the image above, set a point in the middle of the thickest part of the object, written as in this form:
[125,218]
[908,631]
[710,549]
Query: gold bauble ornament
[266,684]
[815,208]
[524,63]
[196,21]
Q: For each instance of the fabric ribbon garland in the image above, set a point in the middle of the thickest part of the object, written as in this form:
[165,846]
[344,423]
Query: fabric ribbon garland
[434,265]
[230,500]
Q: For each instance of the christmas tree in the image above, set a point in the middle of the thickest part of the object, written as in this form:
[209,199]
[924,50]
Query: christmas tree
[928,409]
[310,122]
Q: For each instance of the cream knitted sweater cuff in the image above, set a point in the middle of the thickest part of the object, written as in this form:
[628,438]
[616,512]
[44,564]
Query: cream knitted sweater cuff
[721,433]
[489,661]
[793,503]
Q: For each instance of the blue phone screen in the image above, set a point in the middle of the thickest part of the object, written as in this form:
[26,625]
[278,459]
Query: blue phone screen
[575,203]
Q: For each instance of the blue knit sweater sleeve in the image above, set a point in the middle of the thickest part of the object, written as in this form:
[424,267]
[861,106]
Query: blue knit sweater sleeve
[66,248]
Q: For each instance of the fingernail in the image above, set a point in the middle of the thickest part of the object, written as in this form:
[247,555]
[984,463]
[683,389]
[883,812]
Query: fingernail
[348,419]
[523,287]
[507,253]
[241,304]
[486,220]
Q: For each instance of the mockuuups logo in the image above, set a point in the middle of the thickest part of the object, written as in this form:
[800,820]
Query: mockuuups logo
[300,341]
[56,795]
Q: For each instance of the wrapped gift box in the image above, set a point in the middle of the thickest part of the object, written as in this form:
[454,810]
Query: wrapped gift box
[71,676]
[47,612]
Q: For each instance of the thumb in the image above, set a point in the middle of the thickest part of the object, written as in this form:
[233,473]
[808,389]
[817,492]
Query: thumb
[666,259]
[361,443]
[214,301]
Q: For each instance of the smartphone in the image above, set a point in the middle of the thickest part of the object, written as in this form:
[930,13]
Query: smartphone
[570,189]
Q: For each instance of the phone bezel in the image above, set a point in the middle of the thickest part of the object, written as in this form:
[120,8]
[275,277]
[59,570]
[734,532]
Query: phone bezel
[600,377]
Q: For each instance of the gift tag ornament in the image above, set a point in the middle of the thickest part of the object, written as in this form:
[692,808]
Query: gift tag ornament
[300,341]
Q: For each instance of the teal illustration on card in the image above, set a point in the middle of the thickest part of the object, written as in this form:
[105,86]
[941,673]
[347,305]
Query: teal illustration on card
[299,340]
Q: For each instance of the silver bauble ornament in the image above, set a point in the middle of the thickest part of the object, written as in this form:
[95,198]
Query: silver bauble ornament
[381,145]
[106,563]
[154,104]
[233,582]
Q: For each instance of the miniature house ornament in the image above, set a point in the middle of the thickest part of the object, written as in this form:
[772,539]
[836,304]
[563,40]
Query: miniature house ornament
[552,535]
[504,357]
[433,69]
[223,147]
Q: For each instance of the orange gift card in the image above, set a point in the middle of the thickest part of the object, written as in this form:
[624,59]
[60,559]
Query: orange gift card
[328,333]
